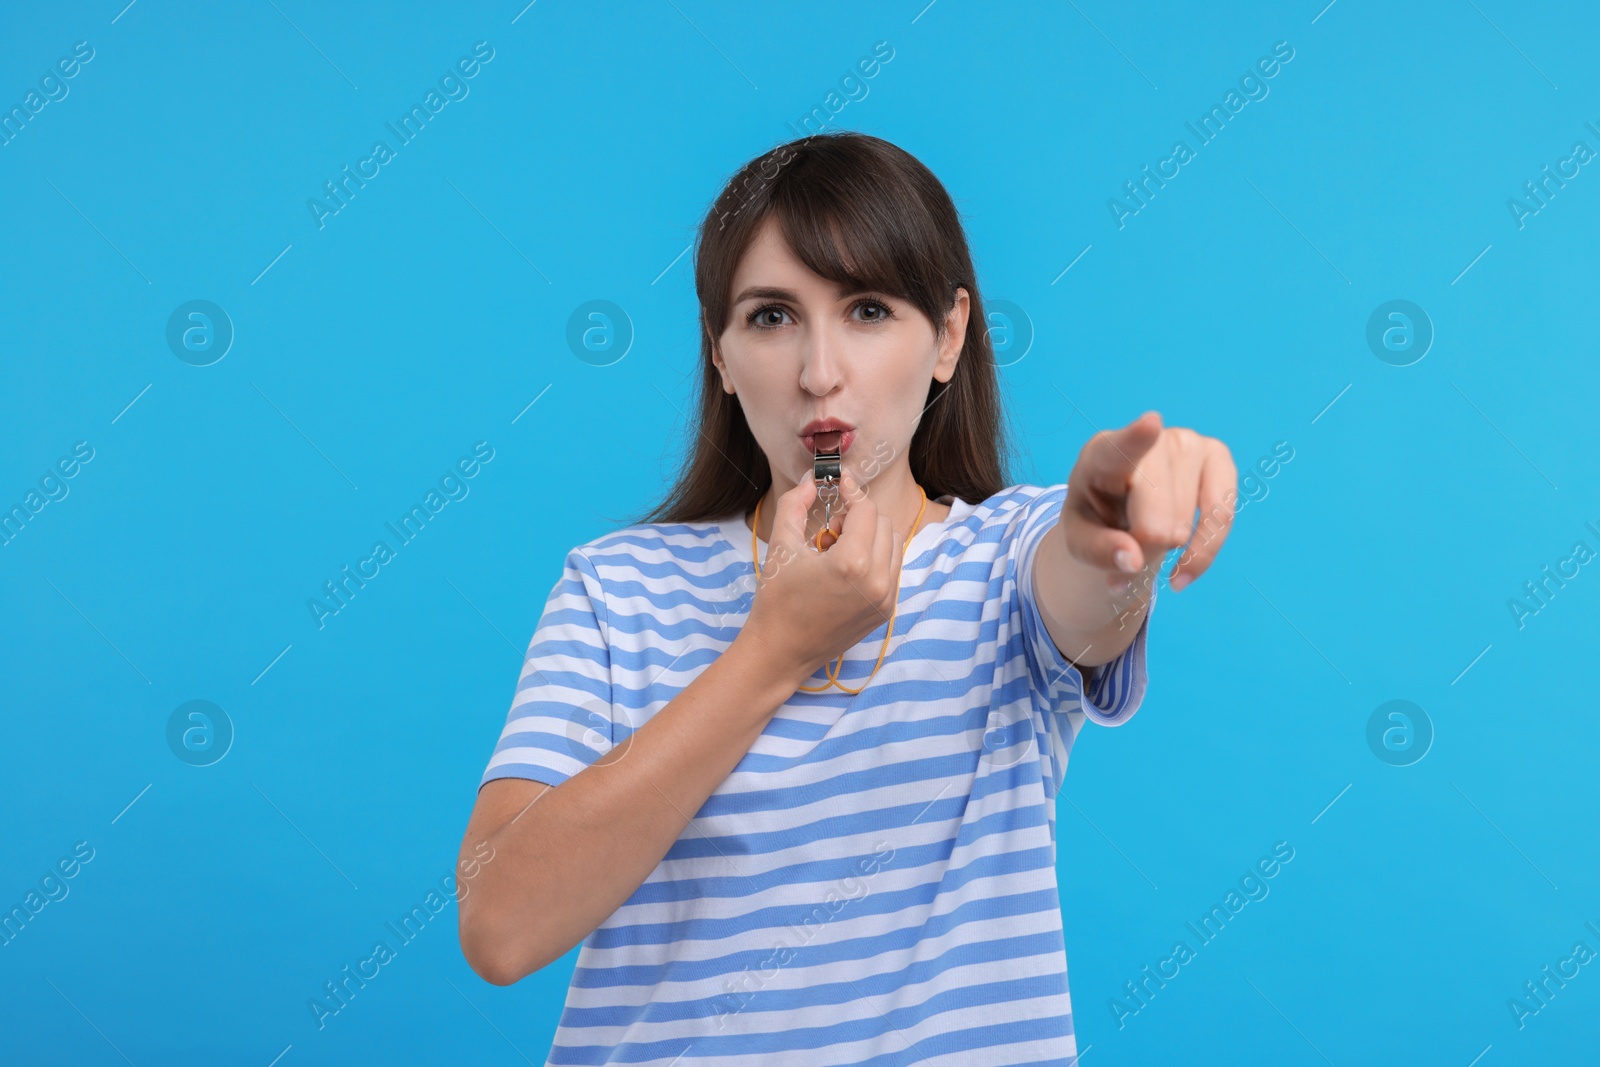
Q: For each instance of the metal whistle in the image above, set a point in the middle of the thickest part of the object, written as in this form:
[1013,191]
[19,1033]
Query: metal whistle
[826,469]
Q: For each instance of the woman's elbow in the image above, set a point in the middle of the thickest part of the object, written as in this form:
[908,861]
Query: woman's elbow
[486,954]
[492,973]
[490,966]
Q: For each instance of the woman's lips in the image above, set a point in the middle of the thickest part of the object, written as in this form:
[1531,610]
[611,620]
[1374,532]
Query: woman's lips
[828,441]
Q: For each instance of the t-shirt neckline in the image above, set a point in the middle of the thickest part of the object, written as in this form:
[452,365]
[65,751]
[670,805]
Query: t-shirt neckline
[732,528]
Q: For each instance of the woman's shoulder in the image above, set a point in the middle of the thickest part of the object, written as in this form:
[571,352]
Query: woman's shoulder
[1012,499]
[651,546]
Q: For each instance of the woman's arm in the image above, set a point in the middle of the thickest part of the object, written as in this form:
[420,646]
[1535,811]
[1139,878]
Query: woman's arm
[565,858]
[560,861]
[1130,498]
[1089,624]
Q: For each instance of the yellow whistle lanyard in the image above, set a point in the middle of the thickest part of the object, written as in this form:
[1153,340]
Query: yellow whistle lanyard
[833,669]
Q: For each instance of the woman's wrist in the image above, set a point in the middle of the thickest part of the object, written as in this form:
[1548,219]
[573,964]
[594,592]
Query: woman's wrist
[762,671]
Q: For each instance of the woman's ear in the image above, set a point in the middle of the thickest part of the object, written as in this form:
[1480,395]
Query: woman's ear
[718,362]
[954,337]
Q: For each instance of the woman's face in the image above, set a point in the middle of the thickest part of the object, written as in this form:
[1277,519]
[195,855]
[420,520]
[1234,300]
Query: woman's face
[797,351]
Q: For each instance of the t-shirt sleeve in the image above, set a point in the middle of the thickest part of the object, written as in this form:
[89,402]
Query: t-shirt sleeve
[561,715]
[1116,688]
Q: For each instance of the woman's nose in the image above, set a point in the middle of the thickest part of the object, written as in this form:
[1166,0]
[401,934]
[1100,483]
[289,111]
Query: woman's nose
[821,372]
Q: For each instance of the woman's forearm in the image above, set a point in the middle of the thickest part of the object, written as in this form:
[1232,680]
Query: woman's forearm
[563,865]
[1089,623]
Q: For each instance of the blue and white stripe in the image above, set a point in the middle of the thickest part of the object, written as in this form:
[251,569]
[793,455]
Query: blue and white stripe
[875,882]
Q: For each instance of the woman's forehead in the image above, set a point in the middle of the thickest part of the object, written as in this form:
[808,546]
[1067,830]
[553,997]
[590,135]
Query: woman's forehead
[770,262]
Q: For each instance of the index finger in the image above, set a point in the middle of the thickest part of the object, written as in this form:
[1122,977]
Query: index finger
[1112,456]
[1218,477]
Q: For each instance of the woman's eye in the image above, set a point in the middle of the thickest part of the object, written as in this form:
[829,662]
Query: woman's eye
[772,315]
[767,316]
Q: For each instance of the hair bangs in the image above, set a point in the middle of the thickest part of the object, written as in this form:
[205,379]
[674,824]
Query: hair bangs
[841,232]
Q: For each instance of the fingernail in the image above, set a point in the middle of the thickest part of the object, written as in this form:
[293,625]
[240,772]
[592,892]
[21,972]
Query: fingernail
[1122,589]
[1179,582]
[1124,561]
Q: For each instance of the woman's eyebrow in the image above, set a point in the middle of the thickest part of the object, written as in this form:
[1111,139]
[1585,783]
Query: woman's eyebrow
[767,292]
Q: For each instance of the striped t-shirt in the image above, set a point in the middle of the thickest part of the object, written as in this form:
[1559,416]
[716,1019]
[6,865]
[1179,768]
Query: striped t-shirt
[875,882]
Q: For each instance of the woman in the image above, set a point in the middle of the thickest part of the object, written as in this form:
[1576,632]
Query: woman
[809,819]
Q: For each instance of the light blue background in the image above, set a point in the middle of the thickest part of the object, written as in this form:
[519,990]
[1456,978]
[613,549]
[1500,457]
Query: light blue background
[429,312]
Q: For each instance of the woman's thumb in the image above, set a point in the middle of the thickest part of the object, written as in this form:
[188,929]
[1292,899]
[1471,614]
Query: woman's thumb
[789,523]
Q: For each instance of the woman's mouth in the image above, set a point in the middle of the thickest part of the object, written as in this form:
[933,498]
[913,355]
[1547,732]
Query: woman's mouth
[828,441]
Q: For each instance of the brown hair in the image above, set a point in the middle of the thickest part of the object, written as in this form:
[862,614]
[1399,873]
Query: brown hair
[902,236]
